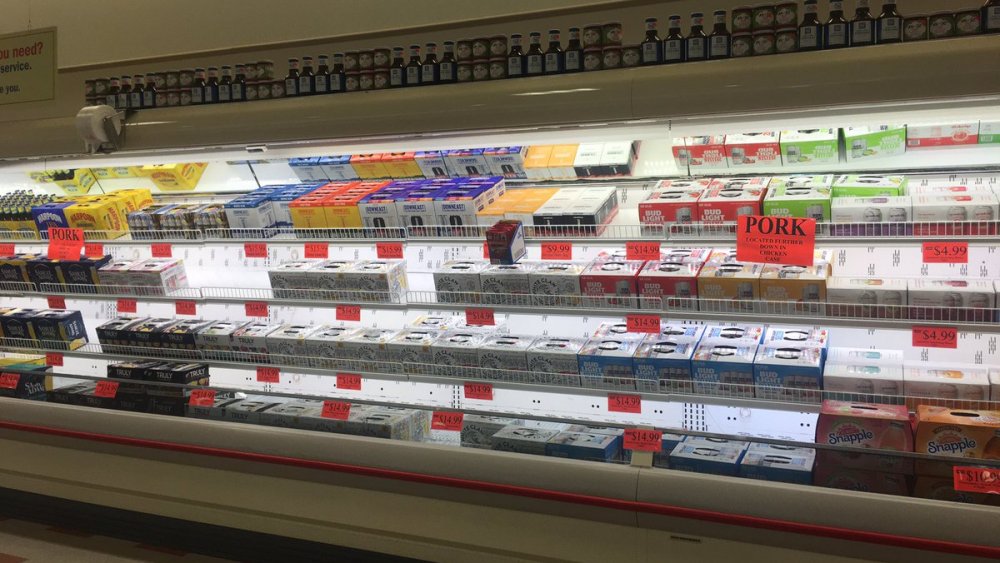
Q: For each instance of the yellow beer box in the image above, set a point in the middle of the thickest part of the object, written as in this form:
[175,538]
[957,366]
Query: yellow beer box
[174,177]
[135,198]
[75,181]
[104,214]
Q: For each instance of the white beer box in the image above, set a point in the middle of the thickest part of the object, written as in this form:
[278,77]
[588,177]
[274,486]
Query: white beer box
[506,355]
[412,348]
[368,345]
[251,339]
[326,344]
[157,276]
[478,430]
[459,276]
[555,283]
[216,340]
[329,275]
[382,281]
[456,351]
[289,341]
[288,280]
[506,284]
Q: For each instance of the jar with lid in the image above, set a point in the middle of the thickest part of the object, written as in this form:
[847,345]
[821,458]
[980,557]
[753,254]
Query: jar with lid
[938,26]
[352,81]
[186,98]
[763,42]
[742,19]
[498,47]
[742,44]
[265,70]
[463,50]
[611,57]
[160,80]
[786,40]
[351,62]
[291,79]
[592,59]
[611,34]
[366,60]
[786,14]
[763,16]
[172,78]
[383,58]
[174,97]
[263,90]
[278,89]
[480,70]
[185,78]
[480,48]
[381,79]
[366,80]
[631,56]
[968,22]
[498,68]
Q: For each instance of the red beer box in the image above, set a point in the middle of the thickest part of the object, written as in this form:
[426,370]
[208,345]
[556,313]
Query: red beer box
[669,279]
[697,154]
[727,199]
[672,201]
[613,282]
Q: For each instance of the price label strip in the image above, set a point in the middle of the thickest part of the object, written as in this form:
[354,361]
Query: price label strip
[337,410]
[935,337]
[186,308]
[479,391]
[202,398]
[640,440]
[56,302]
[93,250]
[620,402]
[946,252]
[127,305]
[557,251]
[445,420]
[643,324]
[54,359]
[977,479]
[349,381]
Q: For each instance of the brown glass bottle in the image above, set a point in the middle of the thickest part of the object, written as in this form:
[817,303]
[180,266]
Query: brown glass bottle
[719,42]
[124,92]
[673,45]
[149,92]
[397,70]
[835,31]
[239,88]
[414,68]
[135,96]
[695,42]
[811,29]
[111,98]
[226,85]
[534,59]
[863,25]
[991,16]
[429,69]
[292,78]
[306,85]
[446,68]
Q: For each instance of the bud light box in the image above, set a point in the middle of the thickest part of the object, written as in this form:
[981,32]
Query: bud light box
[773,462]
[723,201]
[708,455]
[781,372]
[737,335]
[717,365]
[606,363]
[663,280]
[753,150]
[663,365]
[667,207]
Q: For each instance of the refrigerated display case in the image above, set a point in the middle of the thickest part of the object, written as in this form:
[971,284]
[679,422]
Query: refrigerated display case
[349,487]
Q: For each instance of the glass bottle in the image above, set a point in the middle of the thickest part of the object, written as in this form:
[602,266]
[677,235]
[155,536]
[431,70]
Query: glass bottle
[863,25]
[397,70]
[991,16]
[111,98]
[337,72]
[573,55]
[306,83]
[694,43]
[811,29]
[136,96]
[413,68]
[321,81]
[554,54]
[515,59]
[719,42]
[429,70]
[211,94]
[226,85]
[292,79]
[835,30]
[652,45]
[446,68]
[124,92]
[888,27]
[149,92]
[534,59]
[673,45]
[239,88]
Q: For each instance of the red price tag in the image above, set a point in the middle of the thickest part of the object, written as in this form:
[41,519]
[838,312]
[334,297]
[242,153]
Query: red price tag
[348,313]
[317,250]
[557,251]
[9,380]
[268,375]
[444,420]
[338,410]
[54,359]
[7,249]
[486,251]
[775,240]
[642,440]
[642,250]
[162,250]
[479,317]
[65,244]
[186,308]
[481,391]
[935,337]
[256,308]
[977,479]
[255,249]
[619,402]
[56,302]
[202,398]
[106,389]
[946,252]
[389,250]
[93,249]
[645,324]
[127,305]
[350,381]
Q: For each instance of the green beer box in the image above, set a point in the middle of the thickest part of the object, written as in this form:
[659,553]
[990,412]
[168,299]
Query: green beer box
[860,185]
[810,146]
[791,201]
[866,143]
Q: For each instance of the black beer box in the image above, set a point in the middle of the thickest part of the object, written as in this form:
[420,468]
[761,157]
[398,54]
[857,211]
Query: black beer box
[87,398]
[42,270]
[17,327]
[181,335]
[216,411]
[31,384]
[82,273]
[168,406]
[15,268]
[175,391]
[137,370]
[176,372]
[60,329]
[131,403]
[113,335]
[148,333]
[67,395]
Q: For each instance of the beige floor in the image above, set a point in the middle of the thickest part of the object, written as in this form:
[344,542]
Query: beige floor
[38,543]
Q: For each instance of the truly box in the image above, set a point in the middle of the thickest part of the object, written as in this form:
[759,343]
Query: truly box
[468,162]
[583,445]
[788,372]
[810,147]
[784,201]
[860,379]
[674,284]
[700,154]
[729,287]
[250,341]
[664,365]
[369,166]
[707,457]
[502,283]
[382,281]
[953,381]
[954,208]
[456,351]
[115,333]
[723,203]
[753,150]
[509,161]
[59,329]
[606,363]
[667,207]
[555,283]
[249,410]
[172,372]
[147,334]
[719,368]
[505,354]
[561,162]
[938,135]
[866,297]
[522,439]
[954,433]
[958,300]
[216,339]
[587,161]
[773,462]
[613,282]
[798,284]
[432,164]
[868,186]
[553,360]
[862,143]
[289,340]
[456,276]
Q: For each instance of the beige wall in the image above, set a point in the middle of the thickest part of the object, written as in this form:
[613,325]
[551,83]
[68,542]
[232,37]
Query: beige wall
[94,34]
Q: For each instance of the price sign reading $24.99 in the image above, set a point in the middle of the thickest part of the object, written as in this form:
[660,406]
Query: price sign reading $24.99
[935,337]
[641,440]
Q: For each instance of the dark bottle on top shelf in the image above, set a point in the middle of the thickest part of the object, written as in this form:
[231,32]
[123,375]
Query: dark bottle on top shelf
[337,77]
[573,56]
[446,68]
[673,45]
[292,79]
[306,77]
[811,29]
[397,70]
[226,85]
[652,45]
[889,25]
[719,42]
[239,87]
[694,43]
[863,25]
[124,93]
[414,68]
[149,92]
[554,54]
[135,97]
[534,60]
[991,16]
[198,86]
[321,81]
[211,91]
[111,98]
[515,59]
[429,68]
[835,32]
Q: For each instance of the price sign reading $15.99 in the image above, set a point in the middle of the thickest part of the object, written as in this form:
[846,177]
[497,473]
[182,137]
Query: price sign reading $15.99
[389,250]
[935,337]
[946,252]
[641,440]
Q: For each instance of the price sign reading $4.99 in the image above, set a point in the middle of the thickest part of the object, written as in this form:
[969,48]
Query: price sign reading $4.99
[946,252]
[935,337]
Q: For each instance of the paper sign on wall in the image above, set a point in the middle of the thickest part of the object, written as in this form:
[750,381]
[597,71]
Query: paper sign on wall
[28,66]
[775,240]
[64,244]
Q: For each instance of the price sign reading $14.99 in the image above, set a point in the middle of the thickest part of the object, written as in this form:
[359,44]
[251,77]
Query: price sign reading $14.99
[620,402]
[557,251]
[641,440]
[338,410]
[255,249]
[10,381]
[106,389]
[479,317]
[202,398]
[349,381]
[946,252]
[445,420]
[642,250]
[645,324]
[56,302]
[256,308]
[348,313]
[162,250]
[268,375]
[935,337]
[481,391]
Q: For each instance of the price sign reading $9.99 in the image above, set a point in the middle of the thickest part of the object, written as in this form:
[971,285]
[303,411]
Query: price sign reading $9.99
[557,251]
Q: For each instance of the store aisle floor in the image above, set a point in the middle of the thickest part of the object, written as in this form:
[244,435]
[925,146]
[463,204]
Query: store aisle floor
[37,543]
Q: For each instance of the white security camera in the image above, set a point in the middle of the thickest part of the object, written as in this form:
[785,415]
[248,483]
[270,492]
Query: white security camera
[101,128]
